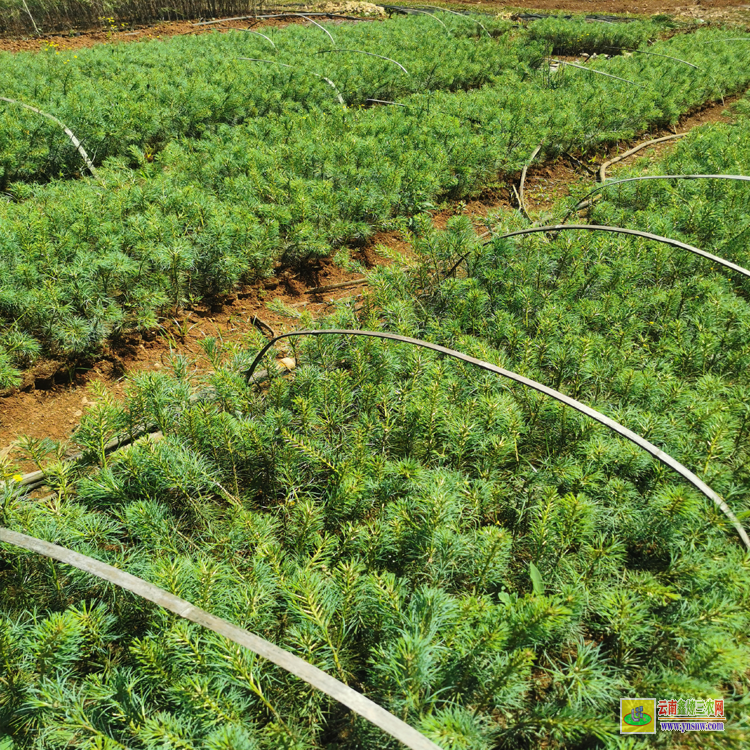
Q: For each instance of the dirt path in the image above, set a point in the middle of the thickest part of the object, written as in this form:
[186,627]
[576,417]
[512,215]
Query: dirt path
[51,403]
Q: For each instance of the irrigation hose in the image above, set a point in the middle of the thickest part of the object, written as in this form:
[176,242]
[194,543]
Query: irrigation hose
[319,679]
[616,427]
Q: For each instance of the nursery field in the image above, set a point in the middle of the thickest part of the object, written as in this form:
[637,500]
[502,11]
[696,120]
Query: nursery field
[520,498]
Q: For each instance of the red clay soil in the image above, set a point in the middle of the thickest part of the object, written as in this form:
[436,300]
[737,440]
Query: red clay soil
[152,32]
[50,405]
[730,11]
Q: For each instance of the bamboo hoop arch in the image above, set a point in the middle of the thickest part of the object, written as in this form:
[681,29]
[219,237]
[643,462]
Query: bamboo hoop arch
[599,72]
[362,52]
[521,201]
[602,175]
[284,65]
[668,57]
[616,427]
[66,130]
[463,15]
[616,230]
[584,204]
[268,39]
[426,12]
[319,679]
[322,28]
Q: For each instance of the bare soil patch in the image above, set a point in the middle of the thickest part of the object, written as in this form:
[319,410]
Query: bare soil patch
[153,32]
[53,398]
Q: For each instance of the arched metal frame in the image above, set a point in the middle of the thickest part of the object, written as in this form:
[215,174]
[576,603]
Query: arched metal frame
[319,679]
[616,427]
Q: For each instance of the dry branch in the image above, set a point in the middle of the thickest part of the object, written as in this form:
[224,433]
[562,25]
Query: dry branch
[341,285]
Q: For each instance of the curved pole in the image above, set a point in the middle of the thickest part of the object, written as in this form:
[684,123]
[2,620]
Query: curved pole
[268,39]
[655,54]
[309,72]
[362,52]
[521,202]
[599,72]
[668,57]
[319,679]
[65,128]
[665,458]
[622,230]
[463,15]
[602,173]
[426,12]
[322,28]
[657,177]
[385,101]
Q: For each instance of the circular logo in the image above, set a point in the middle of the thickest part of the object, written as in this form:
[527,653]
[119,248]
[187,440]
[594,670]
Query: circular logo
[639,721]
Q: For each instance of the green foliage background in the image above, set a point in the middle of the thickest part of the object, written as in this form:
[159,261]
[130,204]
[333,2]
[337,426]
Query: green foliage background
[214,168]
[490,566]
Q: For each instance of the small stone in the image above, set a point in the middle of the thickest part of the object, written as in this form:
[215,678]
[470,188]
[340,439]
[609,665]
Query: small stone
[157,365]
[77,413]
